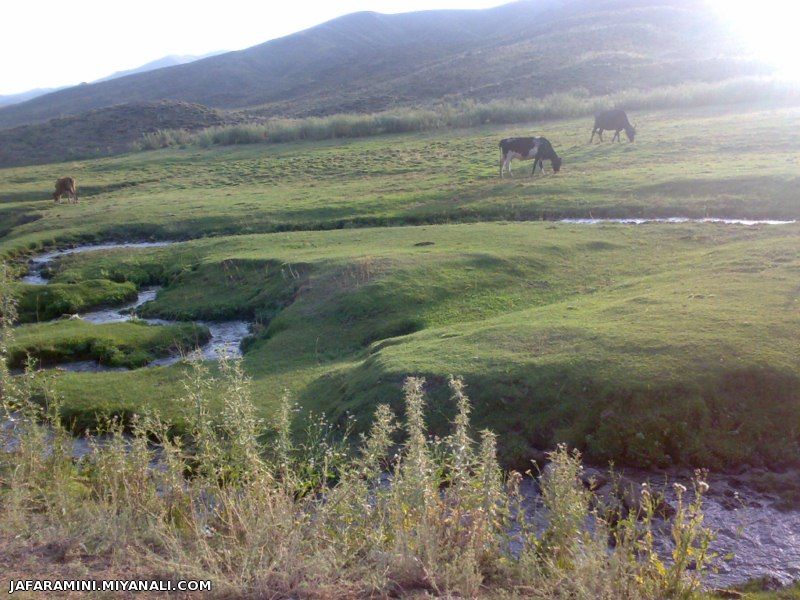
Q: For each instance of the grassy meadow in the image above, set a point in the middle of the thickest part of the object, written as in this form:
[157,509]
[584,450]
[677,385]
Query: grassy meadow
[365,261]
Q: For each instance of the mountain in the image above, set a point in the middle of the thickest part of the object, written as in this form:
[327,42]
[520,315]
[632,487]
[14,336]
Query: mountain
[10,99]
[368,61]
[166,61]
[160,63]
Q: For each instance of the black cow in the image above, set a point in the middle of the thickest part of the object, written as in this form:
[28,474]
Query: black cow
[537,149]
[614,120]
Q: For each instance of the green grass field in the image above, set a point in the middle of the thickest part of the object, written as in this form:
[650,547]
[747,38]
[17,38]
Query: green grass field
[364,261]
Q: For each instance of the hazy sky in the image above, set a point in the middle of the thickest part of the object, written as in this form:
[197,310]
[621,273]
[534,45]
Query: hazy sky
[51,43]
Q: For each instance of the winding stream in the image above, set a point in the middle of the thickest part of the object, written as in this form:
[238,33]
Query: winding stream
[226,336]
[754,538]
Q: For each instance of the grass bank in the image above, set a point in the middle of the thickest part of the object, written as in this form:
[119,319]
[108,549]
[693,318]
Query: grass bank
[46,302]
[130,344]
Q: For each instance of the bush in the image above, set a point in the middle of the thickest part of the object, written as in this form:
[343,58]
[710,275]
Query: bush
[471,114]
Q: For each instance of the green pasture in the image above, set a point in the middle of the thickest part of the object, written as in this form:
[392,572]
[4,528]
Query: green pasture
[694,164]
[364,261]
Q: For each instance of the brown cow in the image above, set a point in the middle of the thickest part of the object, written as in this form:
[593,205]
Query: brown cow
[65,186]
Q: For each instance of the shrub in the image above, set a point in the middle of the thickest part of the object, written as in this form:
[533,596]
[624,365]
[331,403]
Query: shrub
[471,114]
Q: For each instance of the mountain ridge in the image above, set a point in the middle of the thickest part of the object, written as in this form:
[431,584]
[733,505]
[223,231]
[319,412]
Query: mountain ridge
[165,61]
[367,61]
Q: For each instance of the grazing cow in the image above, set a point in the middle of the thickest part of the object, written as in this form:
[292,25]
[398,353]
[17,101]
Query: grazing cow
[614,120]
[527,148]
[546,152]
[65,186]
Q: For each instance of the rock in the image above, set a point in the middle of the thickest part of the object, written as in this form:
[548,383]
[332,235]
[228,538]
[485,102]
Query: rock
[608,503]
[723,593]
[593,479]
[767,583]
[539,457]
[632,496]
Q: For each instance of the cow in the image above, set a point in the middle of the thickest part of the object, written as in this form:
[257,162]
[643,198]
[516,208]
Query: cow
[614,120]
[546,152]
[527,148]
[65,186]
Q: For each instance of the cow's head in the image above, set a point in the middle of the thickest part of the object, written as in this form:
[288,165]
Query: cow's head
[630,131]
[556,162]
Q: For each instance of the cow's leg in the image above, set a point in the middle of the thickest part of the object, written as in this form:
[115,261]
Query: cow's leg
[600,134]
[506,164]
[591,139]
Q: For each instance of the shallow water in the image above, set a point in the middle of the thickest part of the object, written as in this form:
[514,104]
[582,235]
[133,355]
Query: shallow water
[641,221]
[37,263]
[753,539]
[226,336]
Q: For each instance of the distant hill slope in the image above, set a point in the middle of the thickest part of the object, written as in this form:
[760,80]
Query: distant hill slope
[10,99]
[368,61]
[166,61]
[100,132]
[161,63]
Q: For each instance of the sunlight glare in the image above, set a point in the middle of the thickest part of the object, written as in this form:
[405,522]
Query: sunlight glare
[769,29]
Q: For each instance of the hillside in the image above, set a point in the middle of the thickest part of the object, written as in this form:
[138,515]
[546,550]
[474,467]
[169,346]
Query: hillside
[368,61]
[100,132]
[160,63]
[10,99]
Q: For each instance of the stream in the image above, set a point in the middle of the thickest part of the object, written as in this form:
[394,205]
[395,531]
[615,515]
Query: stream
[645,220]
[226,336]
[754,538]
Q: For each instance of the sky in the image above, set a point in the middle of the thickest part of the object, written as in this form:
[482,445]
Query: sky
[49,43]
